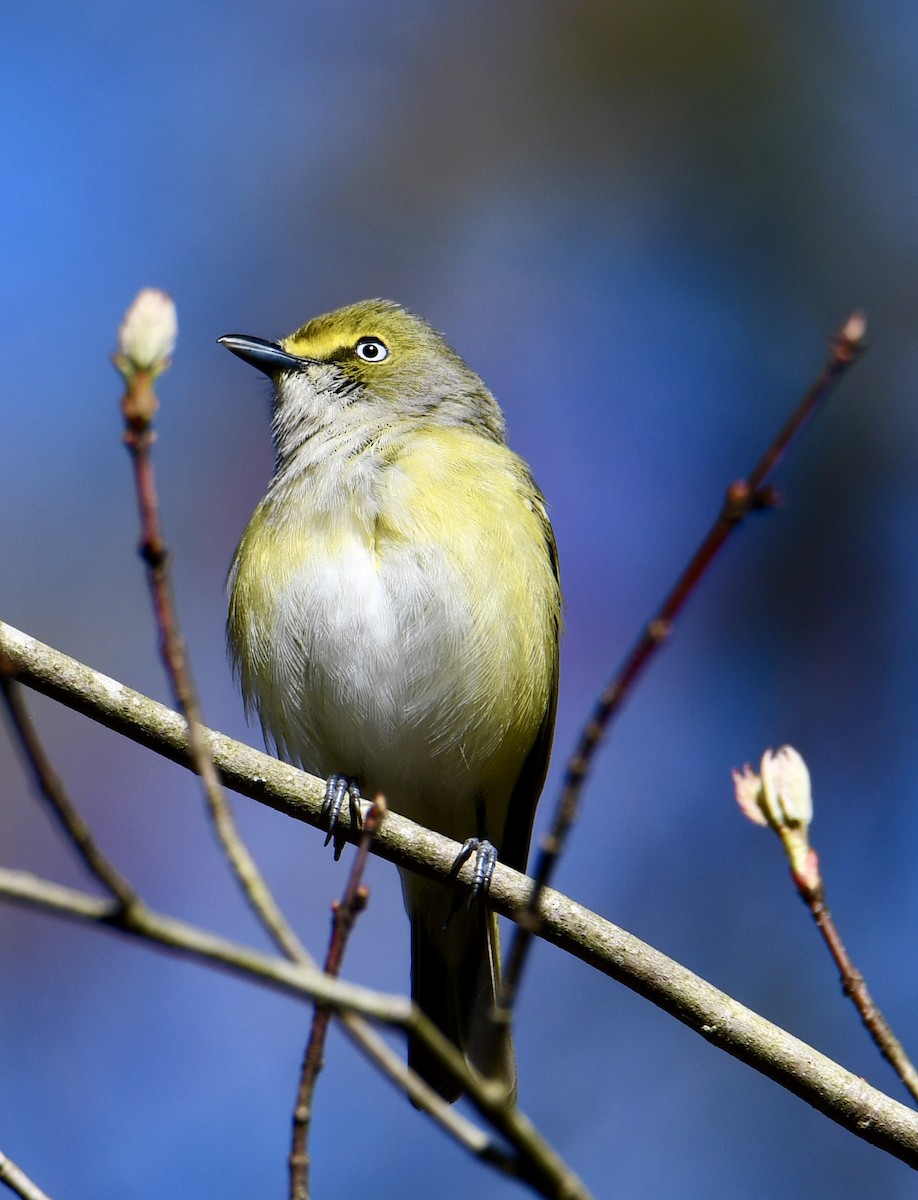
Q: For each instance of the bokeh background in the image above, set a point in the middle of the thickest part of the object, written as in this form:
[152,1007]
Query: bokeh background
[639,221]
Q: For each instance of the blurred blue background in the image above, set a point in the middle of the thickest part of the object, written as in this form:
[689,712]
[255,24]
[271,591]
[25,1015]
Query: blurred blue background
[638,222]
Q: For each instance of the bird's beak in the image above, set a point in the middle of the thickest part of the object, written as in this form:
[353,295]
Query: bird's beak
[266,356]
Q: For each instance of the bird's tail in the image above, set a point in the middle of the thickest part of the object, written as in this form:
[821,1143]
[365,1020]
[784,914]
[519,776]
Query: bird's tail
[455,981]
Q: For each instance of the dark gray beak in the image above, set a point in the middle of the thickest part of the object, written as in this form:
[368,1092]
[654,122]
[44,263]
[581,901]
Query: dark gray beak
[265,356]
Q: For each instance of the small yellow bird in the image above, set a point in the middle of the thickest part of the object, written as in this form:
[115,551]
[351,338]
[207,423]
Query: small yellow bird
[394,616]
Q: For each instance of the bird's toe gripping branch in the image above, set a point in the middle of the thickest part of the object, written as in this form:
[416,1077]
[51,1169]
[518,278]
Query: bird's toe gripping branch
[338,789]
[482,869]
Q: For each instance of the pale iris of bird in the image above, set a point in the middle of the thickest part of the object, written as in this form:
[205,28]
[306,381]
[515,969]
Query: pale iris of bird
[394,617]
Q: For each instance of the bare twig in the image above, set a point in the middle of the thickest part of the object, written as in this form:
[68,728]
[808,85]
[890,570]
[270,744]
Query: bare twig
[17,1181]
[51,787]
[537,1163]
[779,796]
[532,1160]
[146,924]
[840,1095]
[742,498]
[344,917]
[287,789]
[161,729]
[811,888]
[470,1136]
[139,405]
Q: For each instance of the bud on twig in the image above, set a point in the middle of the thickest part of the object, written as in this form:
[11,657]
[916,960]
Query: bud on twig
[146,337]
[780,797]
[146,340]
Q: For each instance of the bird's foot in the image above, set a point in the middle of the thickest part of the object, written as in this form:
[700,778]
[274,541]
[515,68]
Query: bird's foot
[482,869]
[338,789]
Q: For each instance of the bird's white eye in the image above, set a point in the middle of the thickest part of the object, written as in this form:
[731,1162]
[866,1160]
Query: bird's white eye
[371,349]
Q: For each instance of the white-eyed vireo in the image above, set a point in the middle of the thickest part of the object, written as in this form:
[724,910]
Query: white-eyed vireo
[394,616]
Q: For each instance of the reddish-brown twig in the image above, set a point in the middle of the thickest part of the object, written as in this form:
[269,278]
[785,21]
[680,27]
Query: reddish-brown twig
[779,797]
[139,407]
[344,916]
[811,888]
[742,497]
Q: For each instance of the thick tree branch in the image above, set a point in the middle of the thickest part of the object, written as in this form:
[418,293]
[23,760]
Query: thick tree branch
[834,1091]
[17,1181]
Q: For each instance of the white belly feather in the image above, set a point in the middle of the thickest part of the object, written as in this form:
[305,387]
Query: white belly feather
[371,651]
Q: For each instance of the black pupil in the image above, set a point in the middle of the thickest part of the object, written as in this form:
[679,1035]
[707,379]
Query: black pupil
[371,349]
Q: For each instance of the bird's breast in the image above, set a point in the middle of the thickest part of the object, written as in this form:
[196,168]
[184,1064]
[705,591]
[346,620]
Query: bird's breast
[406,635]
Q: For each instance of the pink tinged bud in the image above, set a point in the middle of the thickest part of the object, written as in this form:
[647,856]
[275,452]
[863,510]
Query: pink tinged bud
[748,788]
[780,797]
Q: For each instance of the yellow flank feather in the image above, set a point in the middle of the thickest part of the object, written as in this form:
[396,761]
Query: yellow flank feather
[394,616]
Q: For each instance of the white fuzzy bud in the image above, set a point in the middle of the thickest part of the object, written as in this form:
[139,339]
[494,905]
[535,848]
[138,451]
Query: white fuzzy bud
[146,338]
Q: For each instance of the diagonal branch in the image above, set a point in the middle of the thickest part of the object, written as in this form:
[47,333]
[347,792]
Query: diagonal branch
[475,1140]
[828,1087]
[532,1161]
[742,498]
[17,1181]
[49,784]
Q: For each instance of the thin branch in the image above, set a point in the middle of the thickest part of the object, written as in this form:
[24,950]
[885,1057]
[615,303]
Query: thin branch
[841,1096]
[249,772]
[537,1163]
[17,1181]
[139,407]
[142,922]
[51,787]
[146,341]
[344,917]
[742,498]
[779,796]
[534,1160]
[811,888]
[468,1135]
